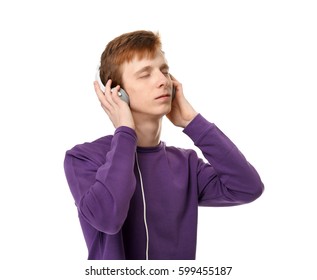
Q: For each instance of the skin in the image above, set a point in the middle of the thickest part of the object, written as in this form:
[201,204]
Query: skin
[149,86]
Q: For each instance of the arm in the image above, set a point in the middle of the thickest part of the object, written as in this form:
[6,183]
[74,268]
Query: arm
[102,182]
[228,179]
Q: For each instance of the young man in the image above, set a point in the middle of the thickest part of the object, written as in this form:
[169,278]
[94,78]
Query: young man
[138,198]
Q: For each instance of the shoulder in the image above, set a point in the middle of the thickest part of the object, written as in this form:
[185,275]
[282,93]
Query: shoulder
[181,153]
[95,150]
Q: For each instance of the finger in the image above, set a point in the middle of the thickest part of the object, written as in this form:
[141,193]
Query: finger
[97,87]
[108,91]
[173,78]
[116,94]
[99,92]
[175,82]
[176,85]
[105,104]
[115,90]
[106,109]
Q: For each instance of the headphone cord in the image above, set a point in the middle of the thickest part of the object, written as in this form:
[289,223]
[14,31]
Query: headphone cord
[144,207]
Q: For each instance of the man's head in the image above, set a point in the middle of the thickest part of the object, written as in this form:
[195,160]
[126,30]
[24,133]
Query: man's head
[136,62]
[123,49]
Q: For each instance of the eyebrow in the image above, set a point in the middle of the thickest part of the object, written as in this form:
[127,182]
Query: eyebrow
[143,69]
[149,68]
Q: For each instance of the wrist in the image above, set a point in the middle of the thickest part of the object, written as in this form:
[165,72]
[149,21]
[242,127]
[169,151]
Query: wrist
[125,124]
[189,119]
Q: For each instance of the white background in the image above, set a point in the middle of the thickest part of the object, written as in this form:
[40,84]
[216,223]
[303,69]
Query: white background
[248,66]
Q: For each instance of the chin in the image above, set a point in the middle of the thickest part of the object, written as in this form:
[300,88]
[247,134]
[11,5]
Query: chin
[165,111]
[157,111]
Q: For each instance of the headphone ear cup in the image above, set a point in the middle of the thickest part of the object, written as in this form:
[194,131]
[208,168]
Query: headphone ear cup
[124,96]
[173,92]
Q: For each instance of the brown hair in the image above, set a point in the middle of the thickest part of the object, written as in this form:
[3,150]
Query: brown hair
[123,49]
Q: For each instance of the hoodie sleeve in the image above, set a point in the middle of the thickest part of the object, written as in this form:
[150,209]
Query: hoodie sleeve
[228,178]
[101,179]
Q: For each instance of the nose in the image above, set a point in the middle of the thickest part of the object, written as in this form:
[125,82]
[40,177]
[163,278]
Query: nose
[163,79]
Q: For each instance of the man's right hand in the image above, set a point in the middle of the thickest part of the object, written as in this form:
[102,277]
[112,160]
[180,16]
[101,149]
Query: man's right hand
[117,110]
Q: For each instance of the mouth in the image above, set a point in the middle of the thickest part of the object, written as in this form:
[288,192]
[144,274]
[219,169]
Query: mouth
[163,96]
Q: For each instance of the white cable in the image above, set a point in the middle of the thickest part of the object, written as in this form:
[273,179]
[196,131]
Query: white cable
[144,209]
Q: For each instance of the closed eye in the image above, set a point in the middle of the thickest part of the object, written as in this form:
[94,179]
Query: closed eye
[145,75]
[165,69]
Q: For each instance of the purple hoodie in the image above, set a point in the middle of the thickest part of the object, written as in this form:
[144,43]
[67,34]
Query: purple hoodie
[139,203]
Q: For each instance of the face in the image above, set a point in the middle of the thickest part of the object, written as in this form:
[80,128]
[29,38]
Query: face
[149,86]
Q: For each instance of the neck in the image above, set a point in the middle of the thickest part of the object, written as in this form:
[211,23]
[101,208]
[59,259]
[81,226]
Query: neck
[148,132]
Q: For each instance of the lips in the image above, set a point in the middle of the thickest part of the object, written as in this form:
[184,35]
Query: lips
[163,95]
